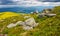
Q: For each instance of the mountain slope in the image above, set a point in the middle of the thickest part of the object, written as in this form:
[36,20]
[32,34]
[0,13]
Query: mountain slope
[48,26]
[5,15]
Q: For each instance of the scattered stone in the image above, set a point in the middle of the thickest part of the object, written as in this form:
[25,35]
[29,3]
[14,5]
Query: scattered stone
[27,25]
[11,25]
[27,28]
[20,23]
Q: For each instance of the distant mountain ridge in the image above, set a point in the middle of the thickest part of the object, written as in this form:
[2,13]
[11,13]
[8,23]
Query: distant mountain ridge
[24,9]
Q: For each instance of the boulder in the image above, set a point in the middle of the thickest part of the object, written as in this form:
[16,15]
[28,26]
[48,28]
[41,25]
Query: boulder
[41,15]
[20,23]
[11,25]
[50,14]
[30,22]
[27,25]
[46,14]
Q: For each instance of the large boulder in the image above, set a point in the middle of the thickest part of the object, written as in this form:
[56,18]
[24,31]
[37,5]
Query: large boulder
[31,22]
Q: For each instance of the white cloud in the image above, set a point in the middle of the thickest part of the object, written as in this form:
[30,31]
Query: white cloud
[34,3]
[29,3]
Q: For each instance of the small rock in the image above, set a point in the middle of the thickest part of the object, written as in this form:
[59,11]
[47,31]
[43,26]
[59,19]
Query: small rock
[27,28]
[11,25]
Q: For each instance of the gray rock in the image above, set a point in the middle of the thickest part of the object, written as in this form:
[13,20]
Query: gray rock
[15,24]
[41,15]
[27,28]
[30,22]
[11,25]
[20,23]
[27,25]
[51,14]
[46,14]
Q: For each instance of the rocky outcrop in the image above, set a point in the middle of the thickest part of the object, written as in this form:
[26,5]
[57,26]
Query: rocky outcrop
[50,14]
[45,14]
[31,22]
[27,25]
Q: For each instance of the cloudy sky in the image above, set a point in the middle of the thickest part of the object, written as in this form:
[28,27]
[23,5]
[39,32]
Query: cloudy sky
[12,3]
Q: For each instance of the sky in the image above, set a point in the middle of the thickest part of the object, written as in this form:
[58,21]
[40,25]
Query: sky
[28,3]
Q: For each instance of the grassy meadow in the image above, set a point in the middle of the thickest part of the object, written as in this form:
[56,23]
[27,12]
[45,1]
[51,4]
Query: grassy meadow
[48,26]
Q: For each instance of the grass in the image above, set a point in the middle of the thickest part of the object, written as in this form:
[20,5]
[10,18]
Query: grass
[48,26]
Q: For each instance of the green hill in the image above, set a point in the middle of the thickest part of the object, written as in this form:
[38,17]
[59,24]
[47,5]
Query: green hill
[48,26]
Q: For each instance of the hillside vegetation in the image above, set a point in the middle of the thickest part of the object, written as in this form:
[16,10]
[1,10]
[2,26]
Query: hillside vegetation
[48,26]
